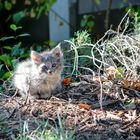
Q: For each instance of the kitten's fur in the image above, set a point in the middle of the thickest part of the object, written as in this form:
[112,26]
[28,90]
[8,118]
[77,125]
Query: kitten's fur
[39,76]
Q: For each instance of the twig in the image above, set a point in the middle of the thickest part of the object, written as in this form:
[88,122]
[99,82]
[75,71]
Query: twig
[129,124]
[119,26]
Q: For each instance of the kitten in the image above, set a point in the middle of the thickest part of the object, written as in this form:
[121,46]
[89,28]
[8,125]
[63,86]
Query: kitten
[39,76]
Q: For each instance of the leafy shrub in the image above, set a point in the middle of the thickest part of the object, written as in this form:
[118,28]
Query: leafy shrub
[88,23]
[33,9]
[10,54]
[76,55]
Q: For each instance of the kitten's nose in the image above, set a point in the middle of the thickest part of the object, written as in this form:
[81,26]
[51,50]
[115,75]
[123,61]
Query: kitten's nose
[49,72]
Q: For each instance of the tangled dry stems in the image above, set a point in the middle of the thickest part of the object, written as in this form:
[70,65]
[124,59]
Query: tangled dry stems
[115,48]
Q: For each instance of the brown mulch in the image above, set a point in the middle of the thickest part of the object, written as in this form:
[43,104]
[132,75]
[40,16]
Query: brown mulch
[90,112]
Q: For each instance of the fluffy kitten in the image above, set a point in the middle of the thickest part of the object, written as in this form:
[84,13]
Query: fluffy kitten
[39,76]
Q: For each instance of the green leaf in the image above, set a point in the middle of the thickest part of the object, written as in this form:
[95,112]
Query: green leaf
[15,50]
[8,5]
[98,2]
[49,4]
[6,60]
[7,47]
[90,24]
[1,65]
[6,75]
[32,13]
[19,27]
[129,102]
[7,38]
[18,16]
[51,43]
[18,44]
[83,23]
[3,57]
[22,35]
[13,27]
[40,12]
[22,51]
[14,62]
[120,73]
[24,55]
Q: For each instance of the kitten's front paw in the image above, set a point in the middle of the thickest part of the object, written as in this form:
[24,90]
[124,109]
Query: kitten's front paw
[45,95]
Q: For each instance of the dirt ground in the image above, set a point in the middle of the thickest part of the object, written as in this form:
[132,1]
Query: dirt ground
[90,109]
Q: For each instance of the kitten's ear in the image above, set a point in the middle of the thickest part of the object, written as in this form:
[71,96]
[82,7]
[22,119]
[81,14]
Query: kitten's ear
[57,51]
[36,57]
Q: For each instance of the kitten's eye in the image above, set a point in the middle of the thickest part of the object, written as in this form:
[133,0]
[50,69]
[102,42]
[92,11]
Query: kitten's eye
[53,65]
[44,67]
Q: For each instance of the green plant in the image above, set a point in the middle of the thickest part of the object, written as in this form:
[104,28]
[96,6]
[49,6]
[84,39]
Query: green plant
[78,52]
[33,9]
[88,23]
[45,132]
[81,37]
[10,54]
[136,23]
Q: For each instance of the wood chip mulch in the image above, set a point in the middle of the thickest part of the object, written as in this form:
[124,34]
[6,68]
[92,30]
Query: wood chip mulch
[91,113]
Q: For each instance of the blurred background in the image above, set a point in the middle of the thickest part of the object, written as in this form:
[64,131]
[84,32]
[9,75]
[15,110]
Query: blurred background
[57,20]
[41,24]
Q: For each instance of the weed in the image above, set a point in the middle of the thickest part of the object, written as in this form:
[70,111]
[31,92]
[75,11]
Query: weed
[11,53]
[45,131]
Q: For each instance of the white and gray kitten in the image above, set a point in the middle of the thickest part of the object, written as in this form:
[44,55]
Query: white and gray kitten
[39,76]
